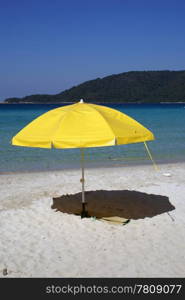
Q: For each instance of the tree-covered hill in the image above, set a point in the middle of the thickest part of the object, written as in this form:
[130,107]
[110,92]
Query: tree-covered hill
[134,86]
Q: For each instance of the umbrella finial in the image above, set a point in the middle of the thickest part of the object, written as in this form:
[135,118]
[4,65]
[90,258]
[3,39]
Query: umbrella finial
[81,101]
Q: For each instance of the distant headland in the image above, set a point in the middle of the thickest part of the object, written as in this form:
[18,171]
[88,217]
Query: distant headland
[129,87]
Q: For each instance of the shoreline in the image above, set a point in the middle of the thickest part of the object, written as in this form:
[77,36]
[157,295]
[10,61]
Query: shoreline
[97,166]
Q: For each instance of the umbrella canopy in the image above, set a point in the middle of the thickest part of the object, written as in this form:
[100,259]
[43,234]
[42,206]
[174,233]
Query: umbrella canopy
[82,125]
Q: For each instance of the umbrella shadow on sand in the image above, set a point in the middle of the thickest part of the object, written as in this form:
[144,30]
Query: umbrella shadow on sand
[121,203]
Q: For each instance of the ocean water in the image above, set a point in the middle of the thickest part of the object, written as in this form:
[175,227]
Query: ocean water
[166,121]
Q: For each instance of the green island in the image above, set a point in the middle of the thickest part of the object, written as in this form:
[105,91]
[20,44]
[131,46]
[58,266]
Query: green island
[128,87]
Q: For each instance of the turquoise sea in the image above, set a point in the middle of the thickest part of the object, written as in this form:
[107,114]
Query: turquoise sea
[166,121]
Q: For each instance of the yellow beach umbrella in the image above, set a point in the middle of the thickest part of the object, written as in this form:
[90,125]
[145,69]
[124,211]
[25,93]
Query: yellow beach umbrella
[82,125]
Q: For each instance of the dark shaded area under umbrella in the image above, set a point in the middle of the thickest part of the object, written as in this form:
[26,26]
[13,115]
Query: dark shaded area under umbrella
[121,203]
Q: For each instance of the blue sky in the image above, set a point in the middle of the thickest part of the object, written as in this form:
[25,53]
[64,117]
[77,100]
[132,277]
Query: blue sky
[47,46]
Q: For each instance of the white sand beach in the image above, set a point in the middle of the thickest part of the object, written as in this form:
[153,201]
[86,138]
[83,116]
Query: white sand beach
[37,241]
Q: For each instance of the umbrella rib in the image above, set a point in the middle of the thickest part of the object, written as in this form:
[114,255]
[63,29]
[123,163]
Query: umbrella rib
[105,122]
[60,121]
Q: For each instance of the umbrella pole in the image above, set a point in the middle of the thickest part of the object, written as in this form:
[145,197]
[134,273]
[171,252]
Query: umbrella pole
[84,213]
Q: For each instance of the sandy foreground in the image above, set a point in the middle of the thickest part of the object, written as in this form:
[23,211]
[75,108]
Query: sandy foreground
[37,241]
